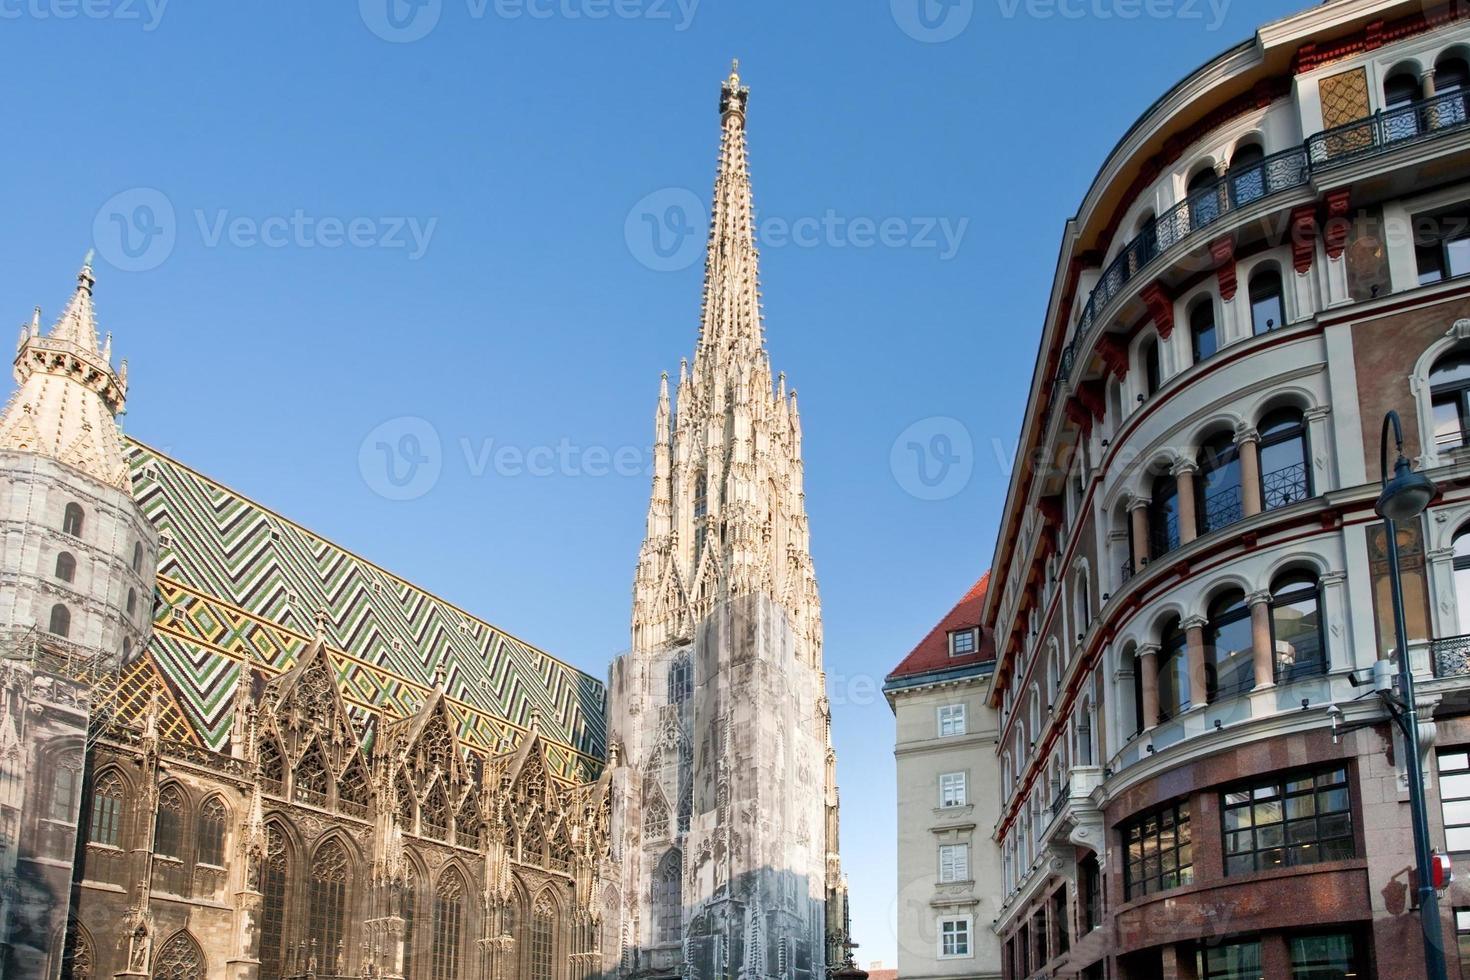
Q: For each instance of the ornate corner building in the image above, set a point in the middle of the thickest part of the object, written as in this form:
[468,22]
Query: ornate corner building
[1188,600]
[725,798]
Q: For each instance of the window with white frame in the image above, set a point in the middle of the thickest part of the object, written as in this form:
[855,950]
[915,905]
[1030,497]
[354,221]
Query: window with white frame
[962,642]
[952,789]
[954,938]
[951,720]
[954,863]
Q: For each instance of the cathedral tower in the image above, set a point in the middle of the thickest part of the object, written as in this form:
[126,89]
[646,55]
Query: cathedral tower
[77,561]
[726,803]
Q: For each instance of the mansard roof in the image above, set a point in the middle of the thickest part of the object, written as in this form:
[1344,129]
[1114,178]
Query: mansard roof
[932,653]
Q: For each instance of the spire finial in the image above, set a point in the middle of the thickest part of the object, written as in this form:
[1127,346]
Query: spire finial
[321,624]
[440,673]
[85,279]
[732,94]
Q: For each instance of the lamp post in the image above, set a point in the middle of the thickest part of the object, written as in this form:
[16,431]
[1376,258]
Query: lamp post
[1404,498]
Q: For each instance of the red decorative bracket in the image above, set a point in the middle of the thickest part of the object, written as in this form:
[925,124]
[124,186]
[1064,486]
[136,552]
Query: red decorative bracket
[1303,237]
[1077,412]
[1222,250]
[1114,354]
[1335,232]
[1090,394]
[1160,307]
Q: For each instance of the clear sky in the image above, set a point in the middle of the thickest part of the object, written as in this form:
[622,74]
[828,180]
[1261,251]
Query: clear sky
[312,221]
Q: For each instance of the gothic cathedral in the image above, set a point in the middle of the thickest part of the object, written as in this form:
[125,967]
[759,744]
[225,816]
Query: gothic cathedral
[724,791]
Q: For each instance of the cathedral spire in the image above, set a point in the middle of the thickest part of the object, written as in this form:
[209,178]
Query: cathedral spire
[731,321]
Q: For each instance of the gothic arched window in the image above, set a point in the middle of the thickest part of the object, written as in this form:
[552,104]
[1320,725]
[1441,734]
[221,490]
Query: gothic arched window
[272,766]
[667,898]
[328,904]
[137,556]
[701,510]
[354,791]
[542,925]
[78,961]
[407,909]
[71,520]
[107,810]
[66,781]
[448,925]
[680,679]
[168,829]
[273,909]
[60,623]
[66,567]
[179,959]
[213,816]
[656,820]
[435,815]
[312,779]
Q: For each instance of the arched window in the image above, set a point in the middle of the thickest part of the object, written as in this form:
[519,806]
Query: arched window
[668,904]
[1286,477]
[272,766]
[78,960]
[611,913]
[1218,484]
[1401,88]
[1296,626]
[1173,671]
[701,510]
[408,904]
[1152,372]
[71,520]
[311,778]
[1400,119]
[107,810]
[681,680]
[66,567]
[132,600]
[542,926]
[1132,664]
[211,831]
[434,817]
[1451,82]
[1247,178]
[1115,402]
[1163,516]
[137,556]
[1267,311]
[656,820]
[168,828]
[1229,656]
[1084,602]
[1203,340]
[1449,393]
[448,925]
[65,784]
[273,909]
[1462,576]
[327,905]
[1204,197]
[179,959]
[1084,733]
[60,623]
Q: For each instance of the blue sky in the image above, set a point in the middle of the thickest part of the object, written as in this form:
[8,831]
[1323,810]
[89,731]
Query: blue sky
[323,231]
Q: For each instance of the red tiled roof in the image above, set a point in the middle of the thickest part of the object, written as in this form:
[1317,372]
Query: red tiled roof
[932,653]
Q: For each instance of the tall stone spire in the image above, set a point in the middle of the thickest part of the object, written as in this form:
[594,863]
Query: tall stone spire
[68,395]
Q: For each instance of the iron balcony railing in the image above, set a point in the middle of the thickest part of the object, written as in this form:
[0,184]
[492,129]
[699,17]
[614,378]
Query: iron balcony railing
[1222,508]
[1288,485]
[1058,804]
[1450,655]
[1127,572]
[1278,172]
[1283,171]
[1388,129]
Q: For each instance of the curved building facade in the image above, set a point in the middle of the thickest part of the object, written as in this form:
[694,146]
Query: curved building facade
[1190,582]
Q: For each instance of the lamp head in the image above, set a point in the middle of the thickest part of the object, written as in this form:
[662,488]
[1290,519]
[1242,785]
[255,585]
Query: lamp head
[1405,496]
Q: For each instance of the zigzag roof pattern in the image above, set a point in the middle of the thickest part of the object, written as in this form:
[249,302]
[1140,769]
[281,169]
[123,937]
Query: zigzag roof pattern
[238,582]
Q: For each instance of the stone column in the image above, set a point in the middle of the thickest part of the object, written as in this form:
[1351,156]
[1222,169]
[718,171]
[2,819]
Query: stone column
[1148,663]
[1317,439]
[1248,444]
[1184,473]
[1199,687]
[1138,510]
[1446,621]
[1426,82]
[1261,648]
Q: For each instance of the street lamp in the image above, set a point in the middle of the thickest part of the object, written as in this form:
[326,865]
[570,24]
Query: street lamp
[1404,498]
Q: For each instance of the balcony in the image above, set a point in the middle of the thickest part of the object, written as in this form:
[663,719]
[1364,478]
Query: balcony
[1450,656]
[1388,130]
[1276,173]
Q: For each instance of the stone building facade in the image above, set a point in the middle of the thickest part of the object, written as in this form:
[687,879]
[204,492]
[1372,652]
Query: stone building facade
[724,787]
[1190,587]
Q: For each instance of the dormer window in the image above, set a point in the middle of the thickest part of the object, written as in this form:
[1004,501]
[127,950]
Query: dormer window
[963,642]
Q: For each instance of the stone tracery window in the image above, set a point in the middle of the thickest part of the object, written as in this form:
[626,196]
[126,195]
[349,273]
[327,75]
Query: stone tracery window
[407,908]
[168,833]
[354,791]
[272,766]
[667,898]
[311,780]
[273,914]
[179,959]
[448,925]
[328,904]
[213,816]
[78,961]
[656,820]
[107,809]
[435,814]
[542,926]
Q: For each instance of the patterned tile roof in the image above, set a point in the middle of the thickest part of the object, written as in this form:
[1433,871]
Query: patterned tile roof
[237,581]
[932,653]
